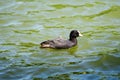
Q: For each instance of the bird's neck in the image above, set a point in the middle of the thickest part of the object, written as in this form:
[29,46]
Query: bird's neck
[73,40]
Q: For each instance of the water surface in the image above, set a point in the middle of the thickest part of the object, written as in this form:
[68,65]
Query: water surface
[26,23]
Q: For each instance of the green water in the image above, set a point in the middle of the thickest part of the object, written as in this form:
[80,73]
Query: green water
[26,23]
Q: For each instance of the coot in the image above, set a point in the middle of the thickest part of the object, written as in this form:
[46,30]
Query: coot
[61,43]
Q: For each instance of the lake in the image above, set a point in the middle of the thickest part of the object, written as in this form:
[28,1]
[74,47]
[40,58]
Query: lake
[26,23]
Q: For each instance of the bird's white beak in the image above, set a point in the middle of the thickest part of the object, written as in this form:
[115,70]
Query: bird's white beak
[80,34]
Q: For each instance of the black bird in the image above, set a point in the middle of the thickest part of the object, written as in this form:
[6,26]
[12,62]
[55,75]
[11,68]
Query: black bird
[61,43]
